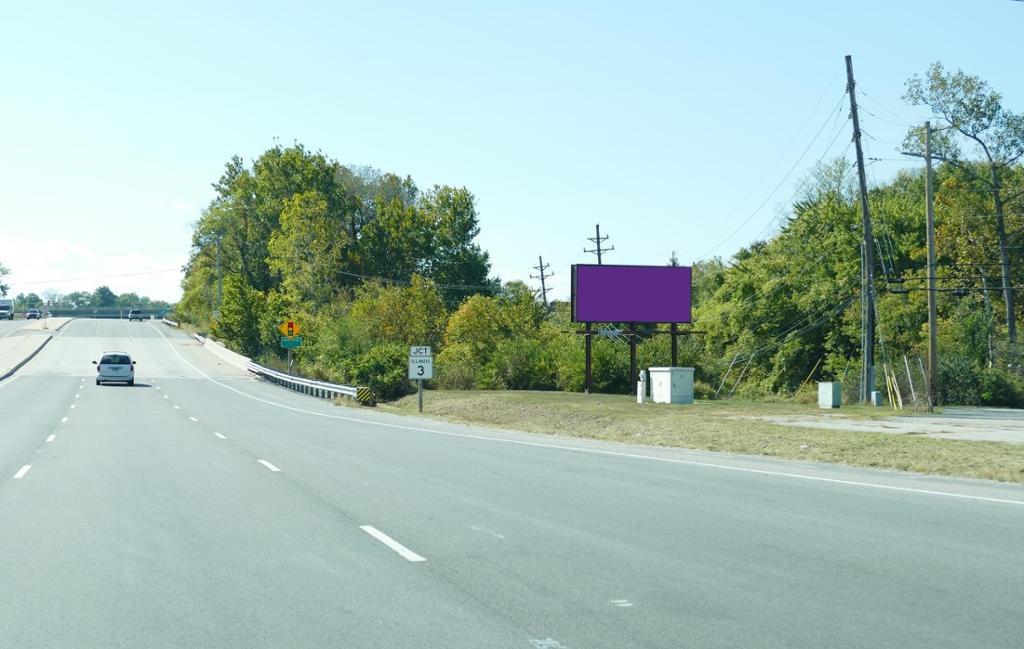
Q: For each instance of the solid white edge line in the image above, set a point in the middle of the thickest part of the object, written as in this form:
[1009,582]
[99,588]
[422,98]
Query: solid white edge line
[406,553]
[268,465]
[219,435]
[597,451]
[51,438]
[9,380]
[21,472]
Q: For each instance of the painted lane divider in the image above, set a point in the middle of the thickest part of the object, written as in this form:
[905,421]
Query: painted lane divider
[269,465]
[602,452]
[21,472]
[193,419]
[51,438]
[621,603]
[64,420]
[72,406]
[177,407]
[219,435]
[165,396]
[405,552]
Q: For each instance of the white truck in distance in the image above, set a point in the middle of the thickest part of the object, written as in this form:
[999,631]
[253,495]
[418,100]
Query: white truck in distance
[6,309]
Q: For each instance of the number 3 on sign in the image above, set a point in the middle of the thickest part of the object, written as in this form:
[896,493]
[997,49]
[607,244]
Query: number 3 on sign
[421,367]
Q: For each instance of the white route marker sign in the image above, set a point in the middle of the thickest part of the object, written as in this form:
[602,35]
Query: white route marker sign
[421,363]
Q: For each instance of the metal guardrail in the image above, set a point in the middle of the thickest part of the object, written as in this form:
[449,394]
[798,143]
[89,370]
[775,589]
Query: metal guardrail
[308,386]
[170,322]
[199,339]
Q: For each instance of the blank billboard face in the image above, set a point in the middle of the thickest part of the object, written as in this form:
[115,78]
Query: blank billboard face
[631,293]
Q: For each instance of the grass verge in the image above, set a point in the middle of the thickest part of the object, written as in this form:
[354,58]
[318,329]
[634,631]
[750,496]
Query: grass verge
[719,426]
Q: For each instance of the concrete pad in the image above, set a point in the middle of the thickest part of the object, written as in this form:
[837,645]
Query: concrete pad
[960,422]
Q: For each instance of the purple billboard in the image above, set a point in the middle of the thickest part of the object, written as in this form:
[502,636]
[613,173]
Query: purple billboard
[631,293]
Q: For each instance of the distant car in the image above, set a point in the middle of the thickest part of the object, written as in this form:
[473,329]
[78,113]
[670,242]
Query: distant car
[115,367]
[33,314]
[135,314]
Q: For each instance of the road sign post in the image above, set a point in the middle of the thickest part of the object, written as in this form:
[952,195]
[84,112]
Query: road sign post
[421,368]
[290,338]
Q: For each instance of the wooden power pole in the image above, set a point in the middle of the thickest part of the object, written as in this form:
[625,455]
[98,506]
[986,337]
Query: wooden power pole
[867,377]
[933,326]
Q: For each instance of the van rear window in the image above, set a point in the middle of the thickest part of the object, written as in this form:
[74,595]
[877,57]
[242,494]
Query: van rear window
[115,359]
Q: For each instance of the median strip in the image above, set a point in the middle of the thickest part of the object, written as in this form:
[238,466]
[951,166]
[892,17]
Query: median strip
[406,553]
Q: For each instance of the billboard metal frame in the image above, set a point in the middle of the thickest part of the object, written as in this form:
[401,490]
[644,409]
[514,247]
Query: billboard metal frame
[631,333]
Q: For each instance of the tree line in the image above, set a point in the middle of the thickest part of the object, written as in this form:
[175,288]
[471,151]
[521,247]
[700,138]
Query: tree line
[370,264]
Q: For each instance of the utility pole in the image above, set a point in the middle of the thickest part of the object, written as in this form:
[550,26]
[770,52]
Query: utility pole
[598,240]
[867,377]
[933,326]
[541,268]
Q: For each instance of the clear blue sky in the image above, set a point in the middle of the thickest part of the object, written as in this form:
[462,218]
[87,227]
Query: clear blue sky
[668,123]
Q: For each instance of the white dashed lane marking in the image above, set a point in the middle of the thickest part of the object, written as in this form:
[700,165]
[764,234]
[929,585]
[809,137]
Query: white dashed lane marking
[219,435]
[405,552]
[64,420]
[177,407]
[51,438]
[22,471]
[193,419]
[268,465]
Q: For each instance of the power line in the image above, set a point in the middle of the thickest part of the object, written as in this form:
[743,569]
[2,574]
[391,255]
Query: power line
[784,178]
[176,269]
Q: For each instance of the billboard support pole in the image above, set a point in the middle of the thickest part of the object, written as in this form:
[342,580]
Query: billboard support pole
[587,380]
[632,358]
[674,331]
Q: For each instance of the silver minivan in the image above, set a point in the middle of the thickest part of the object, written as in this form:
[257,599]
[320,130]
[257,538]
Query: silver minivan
[115,367]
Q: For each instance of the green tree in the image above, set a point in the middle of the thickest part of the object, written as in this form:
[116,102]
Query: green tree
[4,272]
[239,324]
[971,111]
[308,249]
[411,315]
[103,296]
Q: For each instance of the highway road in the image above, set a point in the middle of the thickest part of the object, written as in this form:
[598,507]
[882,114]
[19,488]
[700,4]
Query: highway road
[202,508]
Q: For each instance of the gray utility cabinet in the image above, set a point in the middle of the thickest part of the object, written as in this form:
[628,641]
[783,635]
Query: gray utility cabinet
[830,395]
[671,384]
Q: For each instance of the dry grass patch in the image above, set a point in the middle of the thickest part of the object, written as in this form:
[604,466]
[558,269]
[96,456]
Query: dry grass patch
[720,426]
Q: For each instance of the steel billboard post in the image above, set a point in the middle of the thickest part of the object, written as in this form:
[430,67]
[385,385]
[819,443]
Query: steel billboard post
[674,331]
[587,381]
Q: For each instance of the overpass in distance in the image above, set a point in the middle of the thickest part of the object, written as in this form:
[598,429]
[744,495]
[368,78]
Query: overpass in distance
[202,508]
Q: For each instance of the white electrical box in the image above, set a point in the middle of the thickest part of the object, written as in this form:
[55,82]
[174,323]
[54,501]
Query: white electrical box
[830,394]
[671,384]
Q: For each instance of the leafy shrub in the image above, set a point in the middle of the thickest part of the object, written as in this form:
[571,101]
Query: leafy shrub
[384,370]
[566,355]
[457,367]
[519,364]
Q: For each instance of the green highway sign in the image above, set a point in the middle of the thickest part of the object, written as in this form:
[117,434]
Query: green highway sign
[291,342]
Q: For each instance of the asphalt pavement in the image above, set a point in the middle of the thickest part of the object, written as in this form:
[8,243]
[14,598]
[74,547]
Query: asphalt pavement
[202,508]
